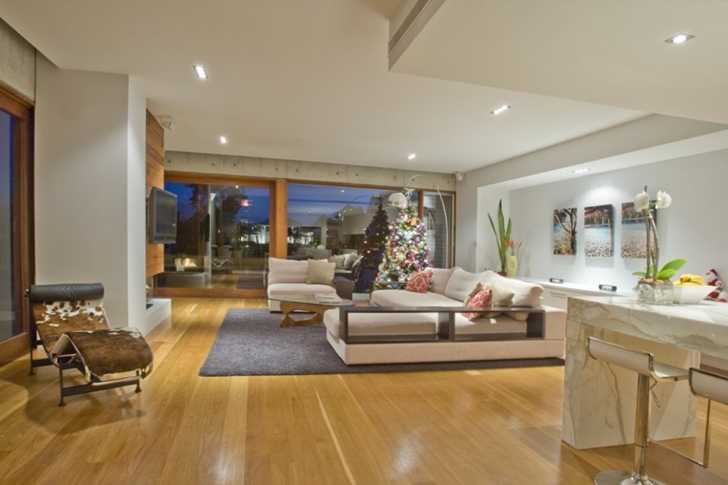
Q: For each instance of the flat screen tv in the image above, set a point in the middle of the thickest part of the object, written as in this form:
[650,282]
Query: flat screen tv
[162,217]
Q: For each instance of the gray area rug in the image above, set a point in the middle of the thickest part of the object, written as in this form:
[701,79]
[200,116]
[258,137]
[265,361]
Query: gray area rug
[250,342]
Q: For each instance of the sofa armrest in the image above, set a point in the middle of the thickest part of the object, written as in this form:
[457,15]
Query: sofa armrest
[344,287]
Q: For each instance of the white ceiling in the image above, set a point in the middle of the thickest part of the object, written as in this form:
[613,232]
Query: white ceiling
[309,80]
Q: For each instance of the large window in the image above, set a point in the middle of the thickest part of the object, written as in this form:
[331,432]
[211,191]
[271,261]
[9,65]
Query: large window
[223,234]
[325,221]
[328,220]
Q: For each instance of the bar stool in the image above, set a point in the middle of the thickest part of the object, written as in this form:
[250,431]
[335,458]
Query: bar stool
[644,365]
[713,387]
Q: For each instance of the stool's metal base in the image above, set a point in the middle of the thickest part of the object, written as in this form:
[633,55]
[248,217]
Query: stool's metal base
[618,477]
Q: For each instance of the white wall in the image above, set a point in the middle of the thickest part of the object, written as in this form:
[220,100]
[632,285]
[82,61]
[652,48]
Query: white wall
[89,186]
[136,207]
[647,140]
[693,227]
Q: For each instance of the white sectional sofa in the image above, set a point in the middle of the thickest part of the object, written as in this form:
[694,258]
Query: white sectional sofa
[379,337]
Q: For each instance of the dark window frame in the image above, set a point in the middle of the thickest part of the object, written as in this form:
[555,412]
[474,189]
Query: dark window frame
[23,220]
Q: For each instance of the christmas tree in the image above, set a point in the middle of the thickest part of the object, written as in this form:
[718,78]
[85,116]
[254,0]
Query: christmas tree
[375,243]
[407,250]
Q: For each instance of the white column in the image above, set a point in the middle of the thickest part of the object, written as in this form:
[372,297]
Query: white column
[89,186]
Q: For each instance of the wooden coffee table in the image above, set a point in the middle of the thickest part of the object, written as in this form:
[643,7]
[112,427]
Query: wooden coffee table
[305,303]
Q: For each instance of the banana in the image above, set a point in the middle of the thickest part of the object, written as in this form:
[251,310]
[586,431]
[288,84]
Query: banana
[690,280]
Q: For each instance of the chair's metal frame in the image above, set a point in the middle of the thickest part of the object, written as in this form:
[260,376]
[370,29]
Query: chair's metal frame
[638,475]
[65,356]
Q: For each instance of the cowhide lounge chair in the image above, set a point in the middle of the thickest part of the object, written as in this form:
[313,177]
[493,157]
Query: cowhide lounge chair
[70,323]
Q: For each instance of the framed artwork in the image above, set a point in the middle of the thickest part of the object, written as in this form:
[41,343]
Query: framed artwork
[564,235]
[634,234]
[599,231]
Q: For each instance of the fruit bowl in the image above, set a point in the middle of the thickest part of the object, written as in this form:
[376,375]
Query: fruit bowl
[690,295]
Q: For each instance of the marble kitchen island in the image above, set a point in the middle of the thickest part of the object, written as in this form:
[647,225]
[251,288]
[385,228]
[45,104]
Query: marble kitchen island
[599,400]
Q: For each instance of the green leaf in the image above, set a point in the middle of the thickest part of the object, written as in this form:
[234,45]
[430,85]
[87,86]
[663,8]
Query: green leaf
[641,274]
[670,269]
[501,221]
[675,264]
[666,274]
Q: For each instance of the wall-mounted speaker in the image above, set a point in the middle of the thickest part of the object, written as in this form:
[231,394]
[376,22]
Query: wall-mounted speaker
[459,176]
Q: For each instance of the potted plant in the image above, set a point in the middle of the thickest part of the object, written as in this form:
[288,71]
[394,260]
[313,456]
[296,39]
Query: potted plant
[502,236]
[654,285]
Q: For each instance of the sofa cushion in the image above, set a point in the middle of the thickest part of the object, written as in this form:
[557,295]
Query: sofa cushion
[525,294]
[338,260]
[461,282]
[440,277]
[409,298]
[350,259]
[382,323]
[320,272]
[287,271]
[419,282]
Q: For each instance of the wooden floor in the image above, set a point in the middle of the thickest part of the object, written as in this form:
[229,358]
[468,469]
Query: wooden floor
[458,427]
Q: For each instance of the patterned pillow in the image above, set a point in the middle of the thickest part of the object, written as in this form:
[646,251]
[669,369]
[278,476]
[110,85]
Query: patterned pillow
[478,288]
[481,300]
[419,282]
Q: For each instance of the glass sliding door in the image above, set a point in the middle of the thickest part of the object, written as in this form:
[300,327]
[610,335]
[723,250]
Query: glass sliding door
[16,222]
[223,235]
[9,325]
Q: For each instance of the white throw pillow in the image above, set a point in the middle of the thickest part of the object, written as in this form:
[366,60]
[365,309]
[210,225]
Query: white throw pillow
[440,278]
[350,259]
[461,283]
[287,271]
[320,272]
[526,294]
[338,260]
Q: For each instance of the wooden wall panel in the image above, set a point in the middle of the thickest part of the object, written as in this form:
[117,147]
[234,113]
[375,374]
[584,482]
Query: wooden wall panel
[279,219]
[155,178]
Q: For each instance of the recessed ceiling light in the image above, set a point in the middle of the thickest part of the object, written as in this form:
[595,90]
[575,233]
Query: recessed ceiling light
[223,140]
[200,71]
[679,39]
[582,170]
[500,110]
[411,156]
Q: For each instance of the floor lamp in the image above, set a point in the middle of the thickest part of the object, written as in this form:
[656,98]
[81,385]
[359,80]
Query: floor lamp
[399,200]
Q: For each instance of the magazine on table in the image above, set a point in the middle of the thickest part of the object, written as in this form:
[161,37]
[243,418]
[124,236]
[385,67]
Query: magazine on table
[327,298]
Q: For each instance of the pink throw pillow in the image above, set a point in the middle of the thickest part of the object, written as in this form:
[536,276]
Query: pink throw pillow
[419,282]
[481,300]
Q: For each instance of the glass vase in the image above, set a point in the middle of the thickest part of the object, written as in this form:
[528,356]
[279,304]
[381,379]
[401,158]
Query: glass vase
[654,293]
